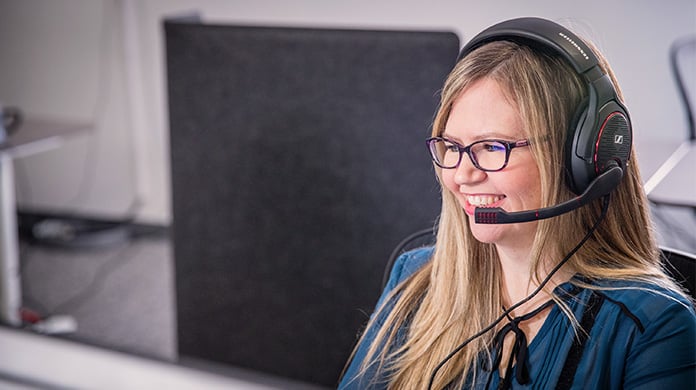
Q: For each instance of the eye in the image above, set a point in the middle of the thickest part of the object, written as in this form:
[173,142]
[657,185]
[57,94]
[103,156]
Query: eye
[492,146]
[450,147]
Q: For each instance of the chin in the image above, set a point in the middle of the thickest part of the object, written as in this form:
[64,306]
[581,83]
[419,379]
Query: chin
[486,233]
[513,234]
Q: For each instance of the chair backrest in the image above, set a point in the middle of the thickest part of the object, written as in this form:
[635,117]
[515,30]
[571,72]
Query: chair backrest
[682,267]
[419,238]
[683,63]
[679,265]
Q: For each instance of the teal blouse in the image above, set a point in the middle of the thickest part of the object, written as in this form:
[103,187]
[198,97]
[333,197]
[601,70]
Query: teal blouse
[643,337]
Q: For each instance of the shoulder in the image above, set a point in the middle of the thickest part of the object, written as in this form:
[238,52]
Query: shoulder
[649,303]
[652,329]
[653,308]
[407,264]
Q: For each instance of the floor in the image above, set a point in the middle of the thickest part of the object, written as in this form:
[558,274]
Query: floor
[119,294]
[96,286]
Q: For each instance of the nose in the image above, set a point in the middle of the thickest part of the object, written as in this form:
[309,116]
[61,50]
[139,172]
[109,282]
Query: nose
[467,173]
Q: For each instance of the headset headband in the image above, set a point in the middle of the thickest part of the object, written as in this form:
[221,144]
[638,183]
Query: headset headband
[536,32]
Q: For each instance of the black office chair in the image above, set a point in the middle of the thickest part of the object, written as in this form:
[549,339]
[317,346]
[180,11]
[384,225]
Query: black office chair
[420,238]
[682,267]
[682,59]
[679,265]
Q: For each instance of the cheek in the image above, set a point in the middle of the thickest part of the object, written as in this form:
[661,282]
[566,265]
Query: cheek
[448,181]
[528,190]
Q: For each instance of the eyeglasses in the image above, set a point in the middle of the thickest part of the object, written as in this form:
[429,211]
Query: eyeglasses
[488,155]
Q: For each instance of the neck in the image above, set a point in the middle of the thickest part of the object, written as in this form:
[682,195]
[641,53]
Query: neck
[518,278]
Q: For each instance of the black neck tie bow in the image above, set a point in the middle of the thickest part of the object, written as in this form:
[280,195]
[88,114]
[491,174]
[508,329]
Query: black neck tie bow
[519,349]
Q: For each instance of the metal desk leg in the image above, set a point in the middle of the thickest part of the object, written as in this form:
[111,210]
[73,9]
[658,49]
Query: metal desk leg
[10,283]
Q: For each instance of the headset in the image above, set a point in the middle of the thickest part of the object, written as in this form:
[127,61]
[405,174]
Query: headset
[599,138]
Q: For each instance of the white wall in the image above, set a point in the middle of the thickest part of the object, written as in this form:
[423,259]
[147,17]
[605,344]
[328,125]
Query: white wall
[63,60]
[103,61]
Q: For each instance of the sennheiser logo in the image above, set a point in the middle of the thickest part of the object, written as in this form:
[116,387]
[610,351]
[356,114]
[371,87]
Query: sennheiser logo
[572,42]
[618,139]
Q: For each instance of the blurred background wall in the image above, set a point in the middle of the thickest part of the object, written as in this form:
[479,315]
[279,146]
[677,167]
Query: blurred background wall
[102,62]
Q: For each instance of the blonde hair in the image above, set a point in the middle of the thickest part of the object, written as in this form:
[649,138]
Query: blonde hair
[454,295]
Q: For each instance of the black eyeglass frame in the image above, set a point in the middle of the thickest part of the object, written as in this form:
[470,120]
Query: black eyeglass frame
[509,145]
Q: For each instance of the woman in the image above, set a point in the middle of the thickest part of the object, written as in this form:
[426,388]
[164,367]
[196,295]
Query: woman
[578,300]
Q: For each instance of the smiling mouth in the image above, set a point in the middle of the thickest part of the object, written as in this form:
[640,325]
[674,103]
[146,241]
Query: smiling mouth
[483,200]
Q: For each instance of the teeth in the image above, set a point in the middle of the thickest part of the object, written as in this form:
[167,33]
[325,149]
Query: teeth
[482,200]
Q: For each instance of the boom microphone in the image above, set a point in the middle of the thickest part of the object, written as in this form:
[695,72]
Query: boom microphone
[600,186]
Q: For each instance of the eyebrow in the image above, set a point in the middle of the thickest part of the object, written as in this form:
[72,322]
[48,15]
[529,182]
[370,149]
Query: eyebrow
[485,135]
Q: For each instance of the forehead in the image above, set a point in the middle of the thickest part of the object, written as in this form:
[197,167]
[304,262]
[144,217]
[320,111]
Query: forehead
[484,110]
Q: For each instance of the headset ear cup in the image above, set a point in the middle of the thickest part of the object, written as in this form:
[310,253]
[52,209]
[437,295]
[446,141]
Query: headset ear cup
[606,139]
[614,141]
[574,165]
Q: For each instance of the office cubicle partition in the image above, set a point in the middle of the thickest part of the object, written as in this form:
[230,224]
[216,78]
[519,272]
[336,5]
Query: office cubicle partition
[298,162]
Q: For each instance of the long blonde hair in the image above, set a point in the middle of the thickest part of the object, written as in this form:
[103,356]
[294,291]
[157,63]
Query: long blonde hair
[457,293]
